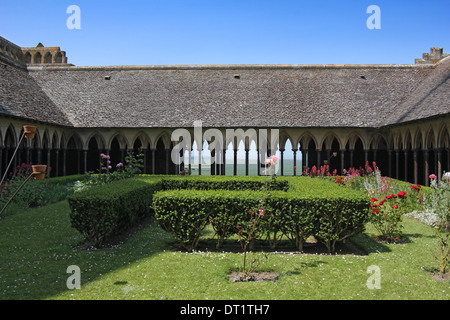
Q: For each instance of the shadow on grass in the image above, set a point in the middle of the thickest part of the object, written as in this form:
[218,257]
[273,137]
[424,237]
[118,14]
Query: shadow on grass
[368,244]
[305,265]
[38,246]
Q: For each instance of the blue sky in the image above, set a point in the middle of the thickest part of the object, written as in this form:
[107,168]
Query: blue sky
[167,32]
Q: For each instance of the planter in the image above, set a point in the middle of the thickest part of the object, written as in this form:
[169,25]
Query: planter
[39,171]
[29,131]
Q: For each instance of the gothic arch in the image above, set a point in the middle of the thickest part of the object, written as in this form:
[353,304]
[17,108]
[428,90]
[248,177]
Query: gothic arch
[10,136]
[429,139]
[144,139]
[100,140]
[417,141]
[165,139]
[284,137]
[121,139]
[443,139]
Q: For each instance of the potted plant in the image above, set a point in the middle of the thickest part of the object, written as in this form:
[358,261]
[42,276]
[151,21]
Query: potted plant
[39,171]
[29,131]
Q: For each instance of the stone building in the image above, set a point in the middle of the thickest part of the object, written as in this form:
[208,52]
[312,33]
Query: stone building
[345,115]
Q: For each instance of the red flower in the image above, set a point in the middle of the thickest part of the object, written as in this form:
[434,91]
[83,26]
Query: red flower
[395,207]
[373,200]
[402,194]
[389,197]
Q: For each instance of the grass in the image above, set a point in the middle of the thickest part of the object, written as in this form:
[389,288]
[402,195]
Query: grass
[37,246]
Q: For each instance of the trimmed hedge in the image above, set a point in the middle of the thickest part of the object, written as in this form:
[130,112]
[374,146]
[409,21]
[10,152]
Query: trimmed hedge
[185,213]
[102,211]
[297,207]
[223,182]
[313,207]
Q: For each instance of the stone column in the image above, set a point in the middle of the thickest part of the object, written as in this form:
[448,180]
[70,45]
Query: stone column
[153,155]
[416,166]
[304,153]
[439,163]
[405,153]
[64,151]
[351,158]
[258,163]
[282,162]
[295,161]
[319,160]
[246,161]
[145,160]
[224,152]
[199,152]
[85,152]
[57,162]
[390,163]
[49,154]
[235,162]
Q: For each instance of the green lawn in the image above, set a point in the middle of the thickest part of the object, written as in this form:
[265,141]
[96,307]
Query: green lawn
[37,247]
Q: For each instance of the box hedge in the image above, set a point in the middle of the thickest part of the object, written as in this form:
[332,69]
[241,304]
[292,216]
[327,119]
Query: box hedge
[102,211]
[310,207]
[297,207]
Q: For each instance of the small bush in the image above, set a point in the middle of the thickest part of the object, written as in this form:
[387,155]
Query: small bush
[185,213]
[103,211]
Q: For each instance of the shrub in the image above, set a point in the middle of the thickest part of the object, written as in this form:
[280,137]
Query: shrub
[223,182]
[185,213]
[317,208]
[103,211]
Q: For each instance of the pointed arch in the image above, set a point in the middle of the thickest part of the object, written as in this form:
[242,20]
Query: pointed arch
[144,140]
[72,149]
[73,141]
[430,139]
[284,138]
[121,140]
[10,136]
[165,139]
[99,139]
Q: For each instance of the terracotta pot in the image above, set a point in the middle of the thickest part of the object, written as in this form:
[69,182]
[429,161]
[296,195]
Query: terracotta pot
[39,171]
[29,131]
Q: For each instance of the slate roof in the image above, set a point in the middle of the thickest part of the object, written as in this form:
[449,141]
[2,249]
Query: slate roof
[22,97]
[229,95]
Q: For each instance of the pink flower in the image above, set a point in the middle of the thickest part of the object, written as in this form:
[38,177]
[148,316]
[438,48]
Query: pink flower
[432,176]
[261,211]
